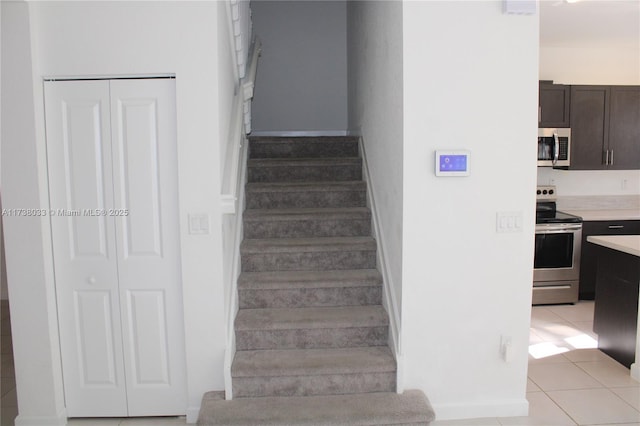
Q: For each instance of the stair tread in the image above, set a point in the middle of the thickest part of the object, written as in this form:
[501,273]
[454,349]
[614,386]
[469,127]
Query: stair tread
[321,140]
[309,279]
[307,245]
[303,162]
[379,408]
[307,362]
[311,318]
[306,213]
[347,185]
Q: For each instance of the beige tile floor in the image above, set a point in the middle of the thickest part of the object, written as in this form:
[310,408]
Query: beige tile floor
[570,382]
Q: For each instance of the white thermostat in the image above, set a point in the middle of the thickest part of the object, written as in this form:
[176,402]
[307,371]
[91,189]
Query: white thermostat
[452,163]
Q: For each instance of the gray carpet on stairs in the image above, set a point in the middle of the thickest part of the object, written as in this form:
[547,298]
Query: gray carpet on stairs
[311,332]
[383,408]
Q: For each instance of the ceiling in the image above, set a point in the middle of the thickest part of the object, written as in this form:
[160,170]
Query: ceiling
[593,23]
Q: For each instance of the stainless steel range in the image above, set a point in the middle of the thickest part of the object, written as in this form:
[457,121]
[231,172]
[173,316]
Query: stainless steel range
[557,251]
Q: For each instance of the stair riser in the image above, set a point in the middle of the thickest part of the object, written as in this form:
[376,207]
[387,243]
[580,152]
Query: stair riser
[300,149]
[311,338]
[309,297]
[330,384]
[307,228]
[324,173]
[302,261]
[285,200]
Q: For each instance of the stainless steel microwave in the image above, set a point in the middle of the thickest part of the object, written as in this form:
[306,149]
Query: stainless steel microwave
[554,147]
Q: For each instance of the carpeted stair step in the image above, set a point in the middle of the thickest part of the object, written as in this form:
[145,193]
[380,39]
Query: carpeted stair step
[366,409]
[303,147]
[297,289]
[308,254]
[304,169]
[311,328]
[305,372]
[282,195]
[306,223]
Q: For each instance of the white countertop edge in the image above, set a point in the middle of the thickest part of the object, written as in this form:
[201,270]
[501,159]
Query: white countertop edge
[629,244]
[613,214]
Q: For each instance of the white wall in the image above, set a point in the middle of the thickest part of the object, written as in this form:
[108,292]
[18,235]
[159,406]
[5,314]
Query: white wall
[111,39]
[375,113]
[4,290]
[31,291]
[302,75]
[470,73]
[606,65]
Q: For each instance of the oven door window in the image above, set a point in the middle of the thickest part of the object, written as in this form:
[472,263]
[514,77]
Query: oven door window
[554,251]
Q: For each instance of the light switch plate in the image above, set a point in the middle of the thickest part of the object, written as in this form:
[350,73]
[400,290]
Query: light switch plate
[509,221]
[198,223]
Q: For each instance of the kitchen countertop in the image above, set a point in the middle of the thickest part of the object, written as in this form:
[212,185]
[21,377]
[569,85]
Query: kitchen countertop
[605,214]
[629,244]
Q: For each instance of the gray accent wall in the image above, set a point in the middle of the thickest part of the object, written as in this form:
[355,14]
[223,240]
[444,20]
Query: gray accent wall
[302,74]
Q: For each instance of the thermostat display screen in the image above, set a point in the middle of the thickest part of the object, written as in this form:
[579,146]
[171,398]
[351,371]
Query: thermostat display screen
[452,163]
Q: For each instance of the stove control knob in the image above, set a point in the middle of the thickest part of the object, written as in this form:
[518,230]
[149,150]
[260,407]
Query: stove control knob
[538,192]
[551,192]
[544,192]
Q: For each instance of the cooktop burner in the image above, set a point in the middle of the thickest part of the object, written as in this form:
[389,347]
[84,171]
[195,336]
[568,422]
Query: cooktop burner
[546,211]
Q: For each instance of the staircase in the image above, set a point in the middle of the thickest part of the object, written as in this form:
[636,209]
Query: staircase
[311,332]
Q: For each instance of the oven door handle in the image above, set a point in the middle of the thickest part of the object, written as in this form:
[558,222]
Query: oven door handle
[557,229]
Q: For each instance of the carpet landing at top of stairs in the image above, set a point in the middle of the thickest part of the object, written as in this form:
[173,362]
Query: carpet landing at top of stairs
[311,332]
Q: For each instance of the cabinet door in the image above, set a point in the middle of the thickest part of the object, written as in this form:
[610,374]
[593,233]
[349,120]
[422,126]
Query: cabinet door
[85,259]
[624,128]
[589,127]
[553,104]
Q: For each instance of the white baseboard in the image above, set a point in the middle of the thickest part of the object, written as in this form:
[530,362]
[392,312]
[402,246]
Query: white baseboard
[635,371]
[510,408]
[192,414]
[299,133]
[389,300]
[59,420]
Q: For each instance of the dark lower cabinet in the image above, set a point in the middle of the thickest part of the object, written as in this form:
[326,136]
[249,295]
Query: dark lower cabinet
[616,308]
[588,257]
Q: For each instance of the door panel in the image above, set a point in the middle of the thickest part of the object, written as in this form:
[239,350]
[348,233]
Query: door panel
[83,146]
[96,350]
[145,183]
[148,345]
[137,144]
[84,246]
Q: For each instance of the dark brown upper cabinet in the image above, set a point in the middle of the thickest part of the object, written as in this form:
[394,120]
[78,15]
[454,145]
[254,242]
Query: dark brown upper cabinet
[553,104]
[624,128]
[605,127]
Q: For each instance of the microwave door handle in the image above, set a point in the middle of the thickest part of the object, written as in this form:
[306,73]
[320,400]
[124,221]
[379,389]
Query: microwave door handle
[556,148]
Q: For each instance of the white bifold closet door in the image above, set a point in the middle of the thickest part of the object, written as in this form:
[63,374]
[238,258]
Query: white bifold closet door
[111,153]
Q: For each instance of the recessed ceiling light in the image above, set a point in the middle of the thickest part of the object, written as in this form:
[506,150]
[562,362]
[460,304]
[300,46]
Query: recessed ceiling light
[572,1]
